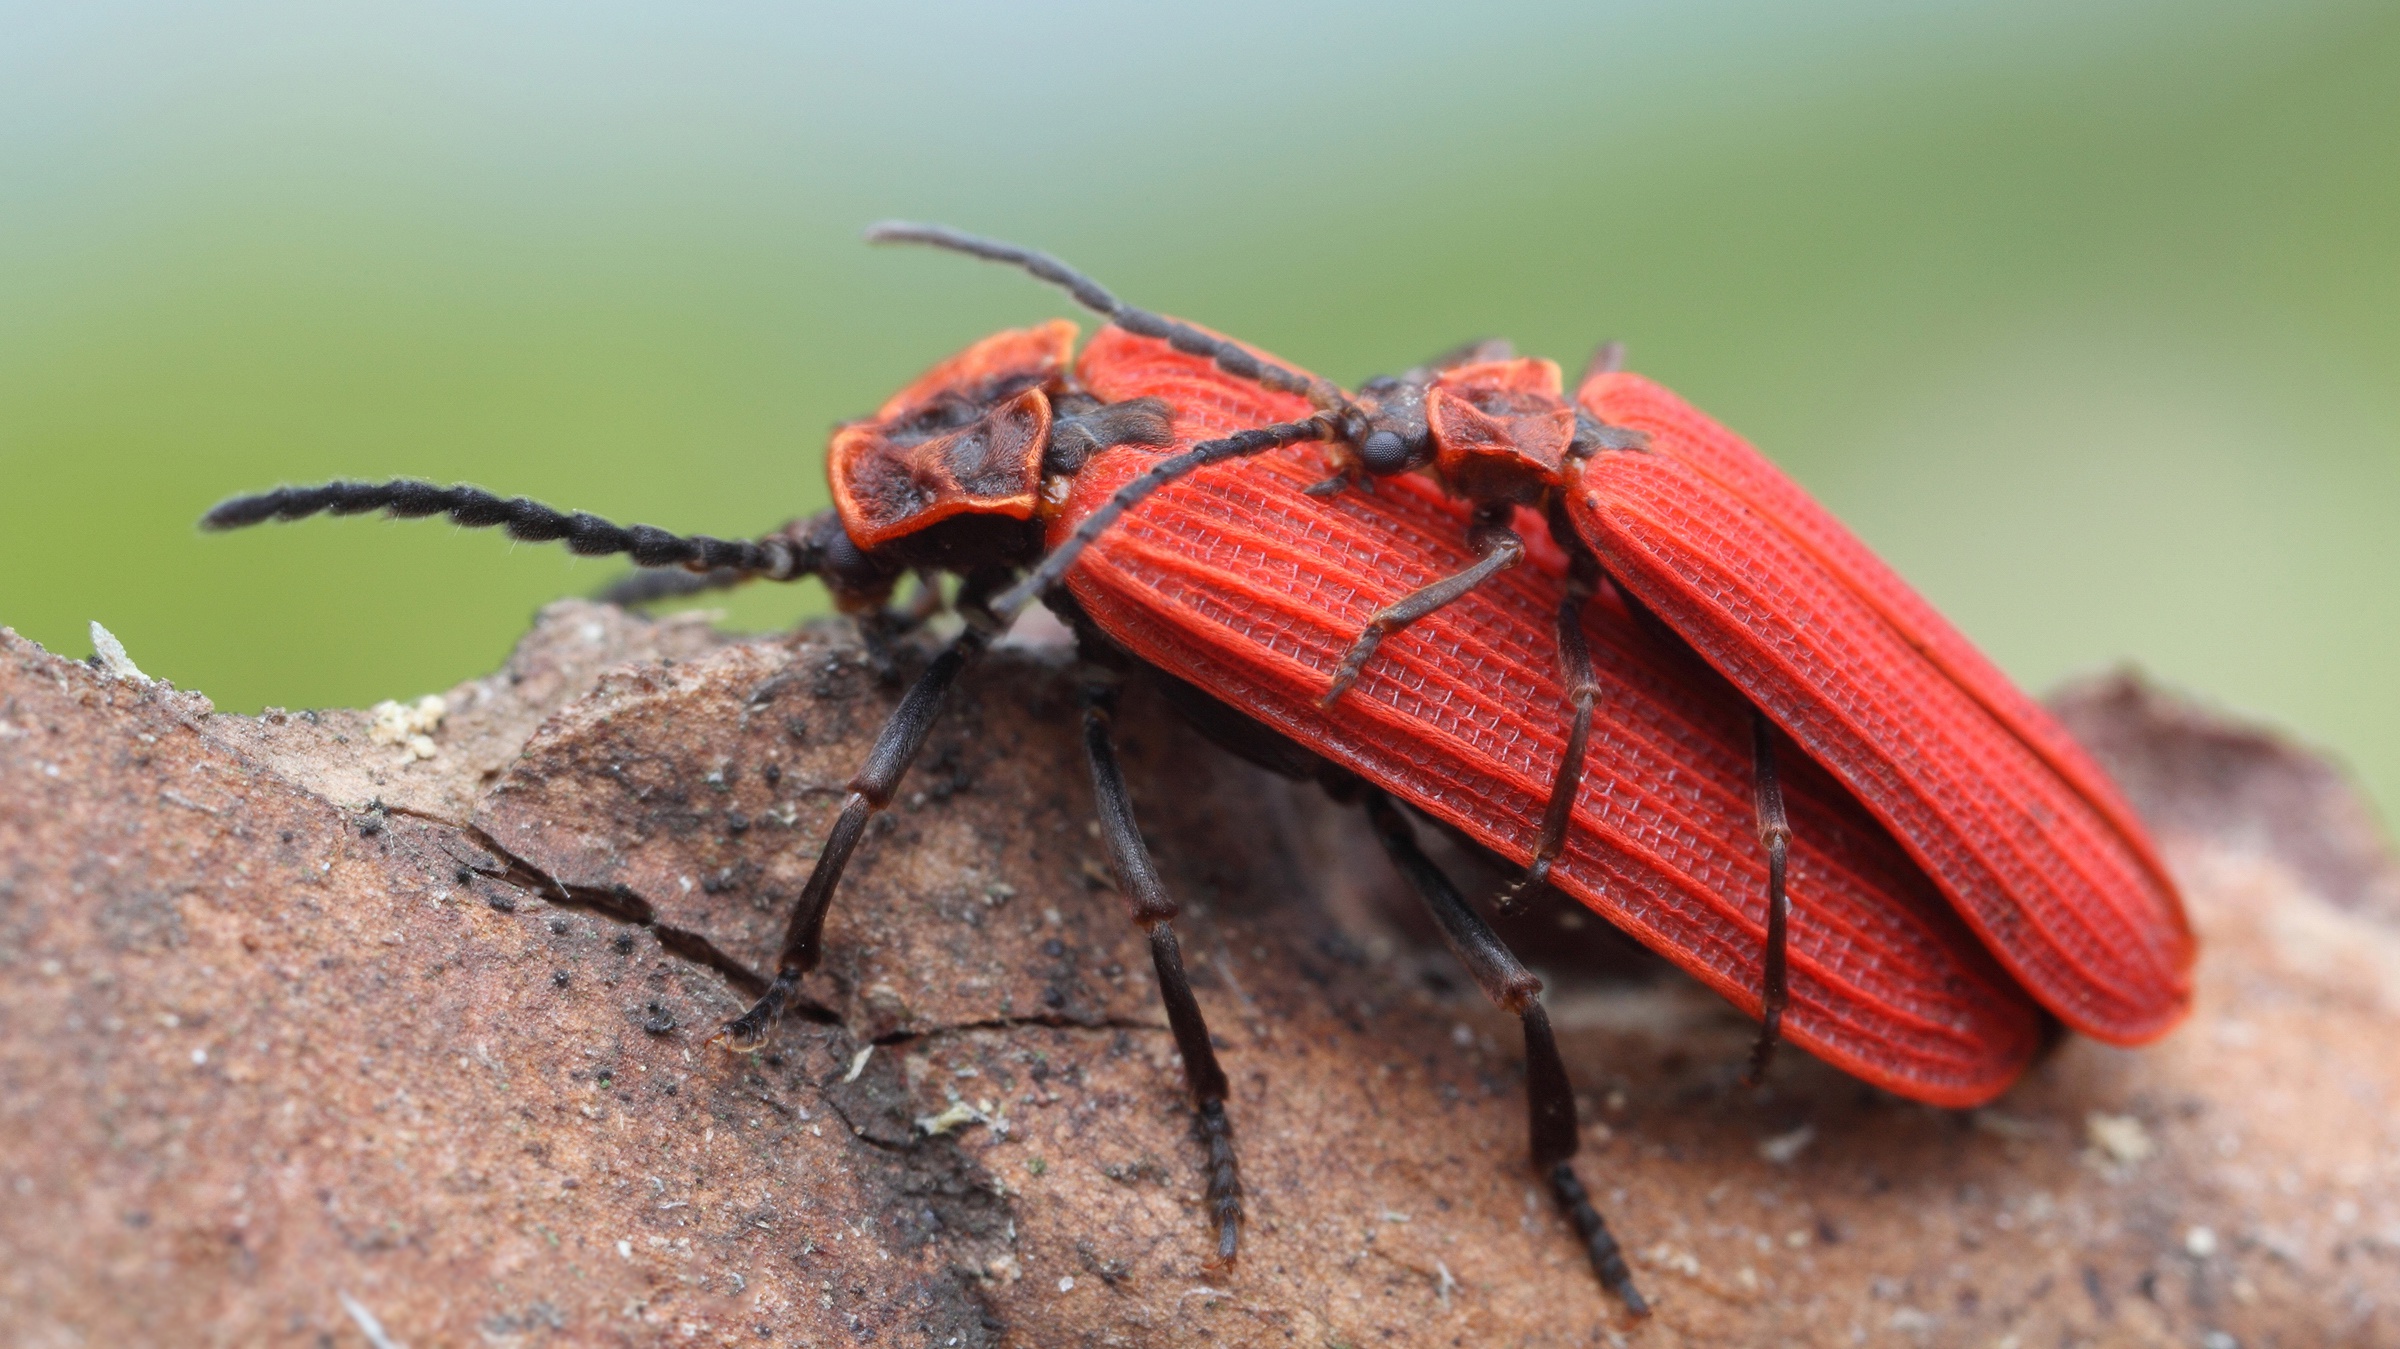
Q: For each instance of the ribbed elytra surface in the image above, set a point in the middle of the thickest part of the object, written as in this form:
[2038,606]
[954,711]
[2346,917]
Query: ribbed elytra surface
[1977,782]
[1235,581]
[1683,432]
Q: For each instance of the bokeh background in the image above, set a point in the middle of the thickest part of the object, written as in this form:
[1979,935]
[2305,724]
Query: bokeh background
[2087,315]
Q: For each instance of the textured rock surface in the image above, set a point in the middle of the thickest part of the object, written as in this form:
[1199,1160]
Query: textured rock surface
[289,1027]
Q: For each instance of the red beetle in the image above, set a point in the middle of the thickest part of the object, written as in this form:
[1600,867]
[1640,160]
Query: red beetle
[1390,645]
[2021,829]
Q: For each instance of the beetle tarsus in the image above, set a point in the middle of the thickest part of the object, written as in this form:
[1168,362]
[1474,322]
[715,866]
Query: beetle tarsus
[748,1033]
[1224,1195]
[1608,1259]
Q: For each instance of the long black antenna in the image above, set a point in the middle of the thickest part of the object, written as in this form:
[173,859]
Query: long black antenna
[1323,394]
[523,518]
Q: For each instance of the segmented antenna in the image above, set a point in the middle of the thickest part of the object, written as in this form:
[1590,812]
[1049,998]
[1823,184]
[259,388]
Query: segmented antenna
[1322,394]
[523,518]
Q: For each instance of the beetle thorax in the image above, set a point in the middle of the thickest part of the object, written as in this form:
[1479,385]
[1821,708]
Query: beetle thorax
[1501,429]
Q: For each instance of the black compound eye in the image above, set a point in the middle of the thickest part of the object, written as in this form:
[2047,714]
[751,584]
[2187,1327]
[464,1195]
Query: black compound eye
[1383,453]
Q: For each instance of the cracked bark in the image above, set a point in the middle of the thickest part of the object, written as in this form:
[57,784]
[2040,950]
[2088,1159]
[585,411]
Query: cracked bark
[284,1022]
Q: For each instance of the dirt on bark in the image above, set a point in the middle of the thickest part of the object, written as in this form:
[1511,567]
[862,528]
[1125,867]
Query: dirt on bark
[313,1033]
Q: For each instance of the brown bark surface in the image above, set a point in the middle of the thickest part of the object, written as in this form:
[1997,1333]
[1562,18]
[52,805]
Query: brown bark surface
[301,1035]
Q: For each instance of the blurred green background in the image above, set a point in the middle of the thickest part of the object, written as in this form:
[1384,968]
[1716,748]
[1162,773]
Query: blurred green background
[2087,315]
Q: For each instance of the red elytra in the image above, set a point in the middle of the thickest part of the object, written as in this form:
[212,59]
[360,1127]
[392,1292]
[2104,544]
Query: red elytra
[1982,786]
[1238,581]
[1984,789]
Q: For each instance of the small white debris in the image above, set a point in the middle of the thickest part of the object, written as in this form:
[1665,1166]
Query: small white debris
[959,1114]
[199,1058]
[2000,1124]
[367,1324]
[1067,1284]
[858,1063]
[1463,1035]
[112,658]
[2200,1243]
[408,727]
[1682,1262]
[1912,1321]
[2119,1138]
[1784,1149]
[1446,1286]
[625,1249]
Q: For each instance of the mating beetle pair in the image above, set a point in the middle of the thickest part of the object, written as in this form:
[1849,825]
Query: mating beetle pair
[1577,632]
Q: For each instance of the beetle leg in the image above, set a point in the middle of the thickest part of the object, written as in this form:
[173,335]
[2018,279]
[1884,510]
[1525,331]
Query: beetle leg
[1775,833]
[1502,549]
[895,748]
[881,630]
[1549,1099]
[1583,690]
[1606,359]
[1150,905]
[1468,353]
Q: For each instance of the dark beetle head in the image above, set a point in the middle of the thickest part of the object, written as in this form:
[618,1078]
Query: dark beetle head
[1387,427]
[1395,434]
